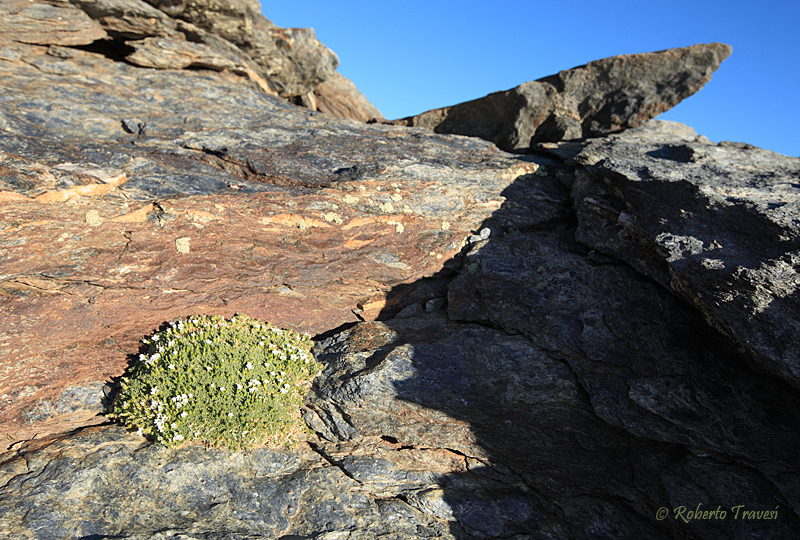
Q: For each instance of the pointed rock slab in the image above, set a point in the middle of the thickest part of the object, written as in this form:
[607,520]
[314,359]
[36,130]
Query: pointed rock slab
[133,197]
[596,99]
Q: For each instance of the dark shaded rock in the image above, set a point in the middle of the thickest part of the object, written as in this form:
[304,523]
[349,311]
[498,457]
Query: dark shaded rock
[717,224]
[602,97]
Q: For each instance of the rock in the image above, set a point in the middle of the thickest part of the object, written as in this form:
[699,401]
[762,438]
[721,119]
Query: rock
[601,97]
[207,34]
[558,345]
[42,24]
[164,53]
[291,59]
[127,19]
[339,97]
[184,191]
[717,224]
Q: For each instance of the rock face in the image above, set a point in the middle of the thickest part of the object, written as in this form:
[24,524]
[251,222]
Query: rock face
[339,97]
[567,344]
[602,97]
[230,36]
[209,197]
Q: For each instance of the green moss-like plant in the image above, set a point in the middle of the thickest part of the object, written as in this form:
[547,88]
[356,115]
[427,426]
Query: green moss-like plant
[235,383]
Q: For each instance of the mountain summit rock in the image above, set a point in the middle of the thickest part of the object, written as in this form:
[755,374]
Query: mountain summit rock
[601,97]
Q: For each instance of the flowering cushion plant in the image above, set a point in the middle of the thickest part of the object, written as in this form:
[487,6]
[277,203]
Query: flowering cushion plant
[234,383]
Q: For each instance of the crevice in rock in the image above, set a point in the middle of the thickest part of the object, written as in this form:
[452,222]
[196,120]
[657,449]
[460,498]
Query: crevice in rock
[318,450]
[113,49]
[244,169]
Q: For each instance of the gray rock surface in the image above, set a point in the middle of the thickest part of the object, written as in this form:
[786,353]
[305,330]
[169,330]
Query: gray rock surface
[549,346]
[601,97]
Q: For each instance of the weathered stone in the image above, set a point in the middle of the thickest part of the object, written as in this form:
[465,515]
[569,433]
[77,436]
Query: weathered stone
[718,224]
[42,24]
[165,53]
[605,353]
[127,19]
[291,59]
[596,99]
[236,21]
[121,486]
[697,426]
[203,195]
[339,97]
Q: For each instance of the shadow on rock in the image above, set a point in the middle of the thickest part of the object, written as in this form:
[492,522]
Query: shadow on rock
[561,392]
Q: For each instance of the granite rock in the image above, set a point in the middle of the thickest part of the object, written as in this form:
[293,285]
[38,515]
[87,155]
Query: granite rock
[601,97]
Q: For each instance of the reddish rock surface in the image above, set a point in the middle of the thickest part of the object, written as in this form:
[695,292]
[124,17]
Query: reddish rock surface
[108,234]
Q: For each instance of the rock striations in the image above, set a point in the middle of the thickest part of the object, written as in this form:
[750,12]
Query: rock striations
[594,339]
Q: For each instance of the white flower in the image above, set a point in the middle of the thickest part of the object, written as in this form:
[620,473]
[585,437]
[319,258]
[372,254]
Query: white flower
[183,414]
[154,391]
[249,365]
[230,414]
[177,437]
[156,337]
[208,341]
[171,366]
[221,388]
[208,368]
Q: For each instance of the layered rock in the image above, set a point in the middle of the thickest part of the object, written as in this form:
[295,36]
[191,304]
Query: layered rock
[558,345]
[174,34]
[124,212]
[601,97]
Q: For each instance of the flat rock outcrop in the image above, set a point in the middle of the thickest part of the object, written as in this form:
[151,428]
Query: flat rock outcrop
[601,97]
[595,340]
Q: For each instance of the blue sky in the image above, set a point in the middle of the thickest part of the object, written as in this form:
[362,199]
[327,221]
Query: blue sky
[411,56]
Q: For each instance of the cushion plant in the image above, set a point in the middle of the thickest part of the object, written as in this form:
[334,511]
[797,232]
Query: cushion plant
[234,383]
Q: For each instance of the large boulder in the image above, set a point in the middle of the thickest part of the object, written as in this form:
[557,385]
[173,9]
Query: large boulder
[601,97]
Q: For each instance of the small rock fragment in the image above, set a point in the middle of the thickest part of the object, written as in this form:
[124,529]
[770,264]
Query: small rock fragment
[182,244]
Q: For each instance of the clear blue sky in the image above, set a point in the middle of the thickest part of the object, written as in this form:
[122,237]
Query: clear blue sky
[411,56]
